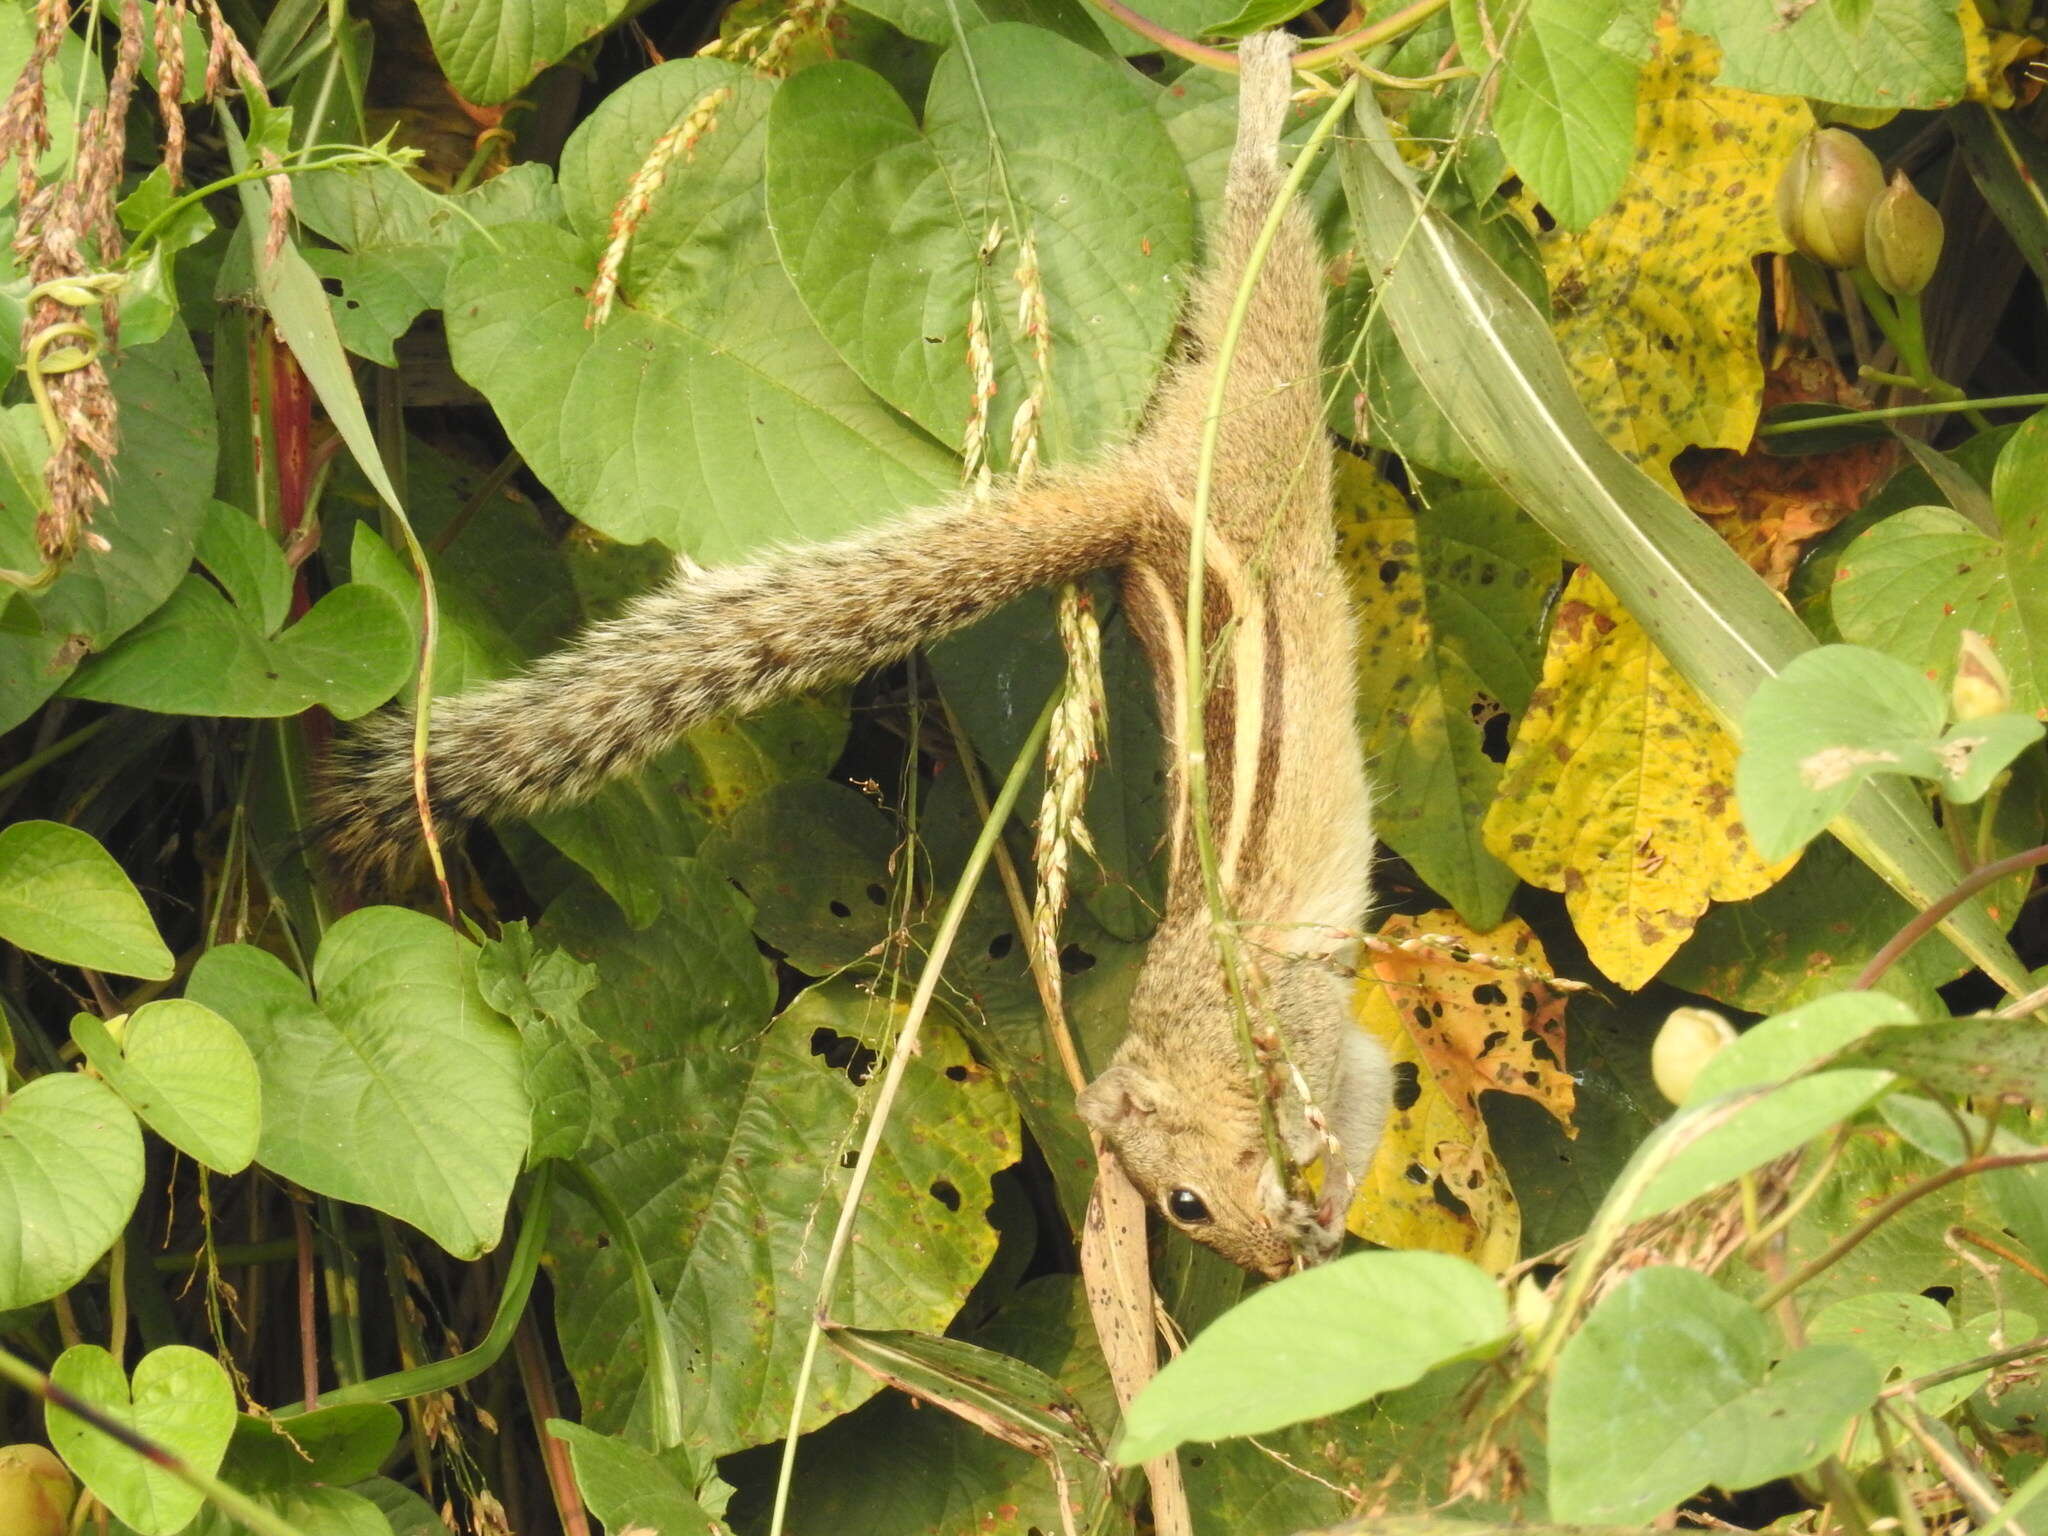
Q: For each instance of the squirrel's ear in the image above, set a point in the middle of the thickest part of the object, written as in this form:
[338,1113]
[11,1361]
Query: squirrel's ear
[1118,1096]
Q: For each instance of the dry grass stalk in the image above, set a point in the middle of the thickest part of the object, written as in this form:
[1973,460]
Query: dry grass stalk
[768,48]
[170,84]
[981,369]
[679,140]
[68,230]
[1074,742]
[68,240]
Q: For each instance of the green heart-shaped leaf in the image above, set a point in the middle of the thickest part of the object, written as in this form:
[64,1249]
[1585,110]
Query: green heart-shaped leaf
[70,1174]
[1673,1384]
[180,1398]
[398,1088]
[883,227]
[784,439]
[62,895]
[185,1071]
[201,655]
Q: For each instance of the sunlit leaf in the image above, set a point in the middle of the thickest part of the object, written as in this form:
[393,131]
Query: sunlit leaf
[1315,1343]
[391,1083]
[180,1398]
[881,226]
[1657,298]
[1619,792]
[1860,53]
[1450,608]
[1672,1384]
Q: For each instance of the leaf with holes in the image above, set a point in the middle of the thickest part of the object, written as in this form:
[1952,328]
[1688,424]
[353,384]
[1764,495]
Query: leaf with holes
[1450,629]
[1435,1181]
[1619,792]
[1657,298]
[186,1072]
[180,1398]
[882,226]
[732,1146]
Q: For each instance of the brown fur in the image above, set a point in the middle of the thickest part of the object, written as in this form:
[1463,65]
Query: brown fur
[1288,803]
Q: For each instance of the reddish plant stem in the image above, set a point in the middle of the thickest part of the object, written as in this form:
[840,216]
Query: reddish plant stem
[541,1405]
[1855,1236]
[309,1337]
[1926,922]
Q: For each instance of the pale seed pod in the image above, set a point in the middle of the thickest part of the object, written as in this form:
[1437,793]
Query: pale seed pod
[36,1492]
[1981,687]
[1690,1038]
[1824,196]
[1902,239]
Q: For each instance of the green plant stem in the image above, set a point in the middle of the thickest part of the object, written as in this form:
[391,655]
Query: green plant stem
[440,1375]
[1194,696]
[1955,1465]
[341,161]
[1849,1241]
[1912,339]
[892,1079]
[1987,818]
[117,1299]
[1902,412]
[2033,1487]
[1924,923]
[662,1374]
[229,1501]
[1223,59]
[62,747]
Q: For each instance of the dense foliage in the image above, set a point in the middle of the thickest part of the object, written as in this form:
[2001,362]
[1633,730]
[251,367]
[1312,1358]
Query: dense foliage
[703,1156]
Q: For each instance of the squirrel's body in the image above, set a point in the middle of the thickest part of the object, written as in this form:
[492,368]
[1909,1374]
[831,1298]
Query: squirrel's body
[1288,804]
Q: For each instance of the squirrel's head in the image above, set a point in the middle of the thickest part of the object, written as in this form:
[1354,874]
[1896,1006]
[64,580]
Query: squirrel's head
[1184,1119]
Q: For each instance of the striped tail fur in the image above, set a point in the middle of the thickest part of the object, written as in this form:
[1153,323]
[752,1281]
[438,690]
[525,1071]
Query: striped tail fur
[712,643]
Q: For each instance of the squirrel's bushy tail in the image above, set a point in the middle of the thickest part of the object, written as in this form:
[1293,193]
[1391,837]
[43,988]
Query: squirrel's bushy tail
[713,643]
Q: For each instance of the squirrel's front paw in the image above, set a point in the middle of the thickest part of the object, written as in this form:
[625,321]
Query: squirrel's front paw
[1314,1229]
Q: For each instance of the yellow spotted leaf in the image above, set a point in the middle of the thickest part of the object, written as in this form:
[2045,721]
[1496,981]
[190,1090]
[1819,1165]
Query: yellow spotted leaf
[1450,611]
[1434,1183]
[1619,792]
[1478,1008]
[1656,300]
[1461,1013]
[1993,60]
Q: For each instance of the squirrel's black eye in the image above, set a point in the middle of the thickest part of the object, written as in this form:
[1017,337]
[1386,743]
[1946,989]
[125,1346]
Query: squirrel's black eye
[1185,1206]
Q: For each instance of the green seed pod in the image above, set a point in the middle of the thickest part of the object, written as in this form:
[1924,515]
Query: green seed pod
[36,1492]
[1824,197]
[1902,239]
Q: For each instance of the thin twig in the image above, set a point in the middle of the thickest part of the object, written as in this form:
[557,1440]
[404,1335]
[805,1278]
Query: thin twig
[892,1082]
[1854,1237]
